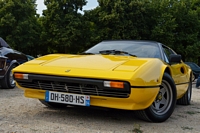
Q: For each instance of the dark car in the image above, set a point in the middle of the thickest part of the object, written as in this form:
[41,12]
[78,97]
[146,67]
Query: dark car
[30,57]
[195,68]
[9,59]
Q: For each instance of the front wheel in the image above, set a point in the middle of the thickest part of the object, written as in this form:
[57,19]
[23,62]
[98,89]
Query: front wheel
[8,82]
[164,104]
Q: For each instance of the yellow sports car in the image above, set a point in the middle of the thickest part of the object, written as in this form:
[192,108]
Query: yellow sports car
[145,76]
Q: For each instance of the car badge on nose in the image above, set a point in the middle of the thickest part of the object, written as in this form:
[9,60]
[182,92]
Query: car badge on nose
[66,88]
[67,70]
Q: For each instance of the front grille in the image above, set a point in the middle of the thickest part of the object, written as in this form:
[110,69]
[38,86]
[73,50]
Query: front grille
[77,88]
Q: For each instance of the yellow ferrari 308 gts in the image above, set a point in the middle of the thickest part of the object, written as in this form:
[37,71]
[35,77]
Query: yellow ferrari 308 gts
[145,76]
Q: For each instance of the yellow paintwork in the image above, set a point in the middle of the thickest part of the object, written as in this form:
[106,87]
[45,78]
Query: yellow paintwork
[137,71]
[137,100]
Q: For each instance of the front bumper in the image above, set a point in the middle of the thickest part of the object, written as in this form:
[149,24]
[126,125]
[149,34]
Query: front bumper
[140,98]
[128,98]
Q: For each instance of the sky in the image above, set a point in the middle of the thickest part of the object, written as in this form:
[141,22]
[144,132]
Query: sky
[90,5]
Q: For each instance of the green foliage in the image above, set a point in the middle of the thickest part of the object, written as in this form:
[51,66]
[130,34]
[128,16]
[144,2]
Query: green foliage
[187,30]
[123,19]
[63,26]
[62,29]
[18,24]
[172,22]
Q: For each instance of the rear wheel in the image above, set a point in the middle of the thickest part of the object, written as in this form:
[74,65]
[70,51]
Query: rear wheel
[53,105]
[193,77]
[164,104]
[186,99]
[8,82]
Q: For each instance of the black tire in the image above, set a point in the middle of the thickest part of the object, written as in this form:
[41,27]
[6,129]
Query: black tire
[186,99]
[53,105]
[8,82]
[164,104]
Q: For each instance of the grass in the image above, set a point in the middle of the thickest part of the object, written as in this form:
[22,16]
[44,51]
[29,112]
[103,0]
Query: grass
[192,112]
[187,128]
[182,116]
[196,107]
[136,129]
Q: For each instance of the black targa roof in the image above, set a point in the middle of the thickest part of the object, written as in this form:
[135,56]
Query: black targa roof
[3,43]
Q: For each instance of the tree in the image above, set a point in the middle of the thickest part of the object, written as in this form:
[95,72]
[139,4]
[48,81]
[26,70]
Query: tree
[63,27]
[19,26]
[172,22]
[187,31]
[123,19]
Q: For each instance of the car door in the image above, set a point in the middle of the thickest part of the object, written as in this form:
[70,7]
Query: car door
[178,70]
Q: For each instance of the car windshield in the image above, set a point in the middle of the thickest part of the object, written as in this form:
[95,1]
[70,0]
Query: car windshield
[143,49]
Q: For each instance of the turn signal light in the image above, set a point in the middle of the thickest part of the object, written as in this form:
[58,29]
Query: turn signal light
[20,76]
[114,84]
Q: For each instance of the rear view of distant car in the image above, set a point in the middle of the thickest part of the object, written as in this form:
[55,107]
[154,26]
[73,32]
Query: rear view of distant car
[30,57]
[195,69]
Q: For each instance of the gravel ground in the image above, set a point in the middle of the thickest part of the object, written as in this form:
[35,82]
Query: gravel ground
[24,115]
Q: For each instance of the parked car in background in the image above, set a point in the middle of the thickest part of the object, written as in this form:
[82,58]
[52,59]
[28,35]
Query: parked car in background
[30,57]
[195,69]
[144,76]
[9,59]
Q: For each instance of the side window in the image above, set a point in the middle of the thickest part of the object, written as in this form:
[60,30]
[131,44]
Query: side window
[165,58]
[167,52]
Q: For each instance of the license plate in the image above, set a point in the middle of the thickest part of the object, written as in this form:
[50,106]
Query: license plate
[67,98]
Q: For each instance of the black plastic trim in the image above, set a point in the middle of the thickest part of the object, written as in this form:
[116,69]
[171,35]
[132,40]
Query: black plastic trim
[145,86]
[98,82]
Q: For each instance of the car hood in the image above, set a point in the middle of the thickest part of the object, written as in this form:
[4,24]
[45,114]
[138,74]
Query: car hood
[91,62]
[95,62]
[91,66]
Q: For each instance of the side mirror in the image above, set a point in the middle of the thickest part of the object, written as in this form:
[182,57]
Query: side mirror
[173,58]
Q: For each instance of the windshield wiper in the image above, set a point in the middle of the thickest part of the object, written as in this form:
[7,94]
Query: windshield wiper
[116,52]
[86,53]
